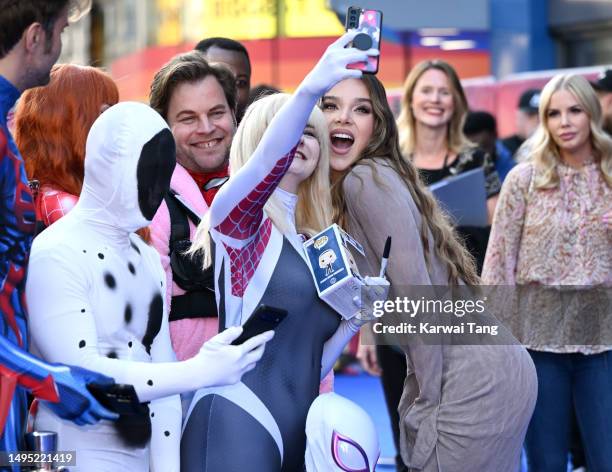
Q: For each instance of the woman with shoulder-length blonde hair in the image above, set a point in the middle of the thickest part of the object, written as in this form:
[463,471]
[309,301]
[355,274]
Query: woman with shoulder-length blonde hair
[544,151]
[300,187]
[463,407]
[431,136]
[298,190]
[51,127]
[306,182]
[407,122]
[553,227]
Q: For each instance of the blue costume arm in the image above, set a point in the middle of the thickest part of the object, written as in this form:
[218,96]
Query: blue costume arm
[65,388]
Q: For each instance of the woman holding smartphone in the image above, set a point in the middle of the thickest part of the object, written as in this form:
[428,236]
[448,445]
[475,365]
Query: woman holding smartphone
[463,407]
[259,424]
[553,227]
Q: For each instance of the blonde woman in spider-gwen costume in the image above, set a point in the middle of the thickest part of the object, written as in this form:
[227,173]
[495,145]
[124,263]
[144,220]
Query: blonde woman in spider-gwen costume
[259,424]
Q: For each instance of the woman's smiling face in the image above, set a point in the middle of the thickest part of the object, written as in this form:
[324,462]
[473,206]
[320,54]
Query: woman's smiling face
[432,101]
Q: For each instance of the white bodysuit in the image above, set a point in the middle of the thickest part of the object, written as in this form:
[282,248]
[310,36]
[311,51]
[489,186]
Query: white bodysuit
[95,293]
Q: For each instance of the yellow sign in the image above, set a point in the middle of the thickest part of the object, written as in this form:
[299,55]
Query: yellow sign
[238,19]
[310,18]
[322,241]
[258,19]
[169,29]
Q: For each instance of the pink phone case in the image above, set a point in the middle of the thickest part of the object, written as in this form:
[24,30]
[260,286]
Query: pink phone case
[370,23]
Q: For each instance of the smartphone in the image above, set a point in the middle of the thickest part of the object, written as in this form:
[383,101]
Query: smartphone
[118,398]
[264,318]
[369,23]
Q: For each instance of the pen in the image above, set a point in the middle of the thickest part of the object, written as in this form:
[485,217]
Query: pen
[385,257]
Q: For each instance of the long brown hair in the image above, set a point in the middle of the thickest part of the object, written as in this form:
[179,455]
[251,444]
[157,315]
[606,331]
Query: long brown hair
[457,142]
[52,123]
[384,144]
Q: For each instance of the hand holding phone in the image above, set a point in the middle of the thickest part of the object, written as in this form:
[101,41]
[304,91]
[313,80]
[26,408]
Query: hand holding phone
[264,318]
[369,24]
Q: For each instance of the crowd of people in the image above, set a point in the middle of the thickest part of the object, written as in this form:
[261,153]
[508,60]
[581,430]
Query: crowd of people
[137,240]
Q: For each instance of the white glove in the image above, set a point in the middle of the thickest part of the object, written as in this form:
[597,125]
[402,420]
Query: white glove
[375,291]
[331,68]
[219,363]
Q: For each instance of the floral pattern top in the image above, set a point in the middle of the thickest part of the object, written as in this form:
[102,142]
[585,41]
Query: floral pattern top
[552,237]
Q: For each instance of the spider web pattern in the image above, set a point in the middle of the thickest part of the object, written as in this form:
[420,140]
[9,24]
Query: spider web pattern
[56,204]
[243,221]
[244,261]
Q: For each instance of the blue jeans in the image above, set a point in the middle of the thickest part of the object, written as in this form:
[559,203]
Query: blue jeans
[565,380]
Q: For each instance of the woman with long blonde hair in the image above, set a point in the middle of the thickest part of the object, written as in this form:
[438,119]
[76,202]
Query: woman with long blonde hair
[259,424]
[464,407]
[553,227]
[305,182]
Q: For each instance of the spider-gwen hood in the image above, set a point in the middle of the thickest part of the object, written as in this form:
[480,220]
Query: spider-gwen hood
[129,160]
[340,436]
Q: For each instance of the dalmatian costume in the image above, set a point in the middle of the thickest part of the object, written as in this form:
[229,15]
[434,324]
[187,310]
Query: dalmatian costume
[95,293]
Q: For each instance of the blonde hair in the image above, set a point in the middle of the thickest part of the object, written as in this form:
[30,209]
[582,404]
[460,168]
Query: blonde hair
[406,123]
[384,145]
[314,208]
[541,148]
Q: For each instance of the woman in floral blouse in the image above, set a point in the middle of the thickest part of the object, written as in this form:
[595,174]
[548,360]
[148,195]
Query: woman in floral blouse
[552,227]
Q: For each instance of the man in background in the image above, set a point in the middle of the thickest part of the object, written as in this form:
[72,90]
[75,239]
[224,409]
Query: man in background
[481,128]
[198,101]
[235,56]
[527,120]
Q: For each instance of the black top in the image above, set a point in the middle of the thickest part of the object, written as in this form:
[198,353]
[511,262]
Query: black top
[464,162]
[475,239]
[512,143]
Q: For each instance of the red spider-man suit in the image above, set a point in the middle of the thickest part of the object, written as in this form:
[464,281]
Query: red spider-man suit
[52,204]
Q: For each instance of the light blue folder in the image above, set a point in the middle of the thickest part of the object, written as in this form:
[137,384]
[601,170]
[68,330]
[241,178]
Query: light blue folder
[463,197]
